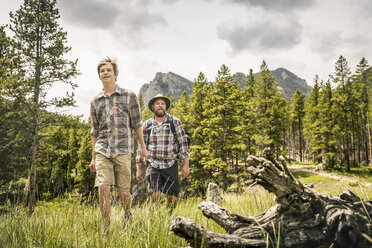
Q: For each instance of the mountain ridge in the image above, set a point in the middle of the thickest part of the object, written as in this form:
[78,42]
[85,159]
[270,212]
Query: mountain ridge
[174,84]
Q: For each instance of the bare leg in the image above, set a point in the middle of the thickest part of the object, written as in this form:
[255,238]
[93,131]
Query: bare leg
[155,198]
[171,202]
[126,201]
[105,204]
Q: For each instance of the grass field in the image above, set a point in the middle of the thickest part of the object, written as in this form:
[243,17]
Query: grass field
[67,223]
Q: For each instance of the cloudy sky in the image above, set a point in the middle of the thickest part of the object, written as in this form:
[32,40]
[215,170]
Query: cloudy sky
[192,36]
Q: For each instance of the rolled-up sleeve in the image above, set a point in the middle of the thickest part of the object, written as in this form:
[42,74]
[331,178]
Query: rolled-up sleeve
[135,112]
[182,139]
[94,121]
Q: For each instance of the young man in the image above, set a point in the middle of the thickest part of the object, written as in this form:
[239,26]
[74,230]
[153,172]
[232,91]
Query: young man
[115,112]
[166,140]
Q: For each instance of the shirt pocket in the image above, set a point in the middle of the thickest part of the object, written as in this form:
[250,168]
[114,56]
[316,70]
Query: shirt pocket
[101,114]
[123,117]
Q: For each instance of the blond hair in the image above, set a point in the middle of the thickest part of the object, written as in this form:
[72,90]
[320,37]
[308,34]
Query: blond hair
[111,61]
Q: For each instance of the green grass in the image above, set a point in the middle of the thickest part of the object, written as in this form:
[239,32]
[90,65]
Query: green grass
[303,163]
[359,173]
[67,223]
[358,181]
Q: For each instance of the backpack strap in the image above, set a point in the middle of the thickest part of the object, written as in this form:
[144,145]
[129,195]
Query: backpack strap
[173,129]
[171,124]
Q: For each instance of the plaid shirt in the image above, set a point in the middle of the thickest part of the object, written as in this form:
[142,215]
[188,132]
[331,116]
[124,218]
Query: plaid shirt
[113,119]
[162,146]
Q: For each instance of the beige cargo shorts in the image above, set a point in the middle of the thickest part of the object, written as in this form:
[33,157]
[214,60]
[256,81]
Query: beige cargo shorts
[113,171]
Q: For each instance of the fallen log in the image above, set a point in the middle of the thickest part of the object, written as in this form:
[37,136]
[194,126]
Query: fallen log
[301,217]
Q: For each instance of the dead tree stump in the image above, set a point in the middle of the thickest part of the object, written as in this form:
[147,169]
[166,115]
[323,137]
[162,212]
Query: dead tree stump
[213,193]
[301,218]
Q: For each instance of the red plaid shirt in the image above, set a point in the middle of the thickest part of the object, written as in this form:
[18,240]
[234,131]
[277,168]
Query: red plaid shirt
[162,145]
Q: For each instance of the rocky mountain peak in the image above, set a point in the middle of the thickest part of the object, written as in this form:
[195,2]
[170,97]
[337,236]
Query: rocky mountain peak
[287,81]
[166,83]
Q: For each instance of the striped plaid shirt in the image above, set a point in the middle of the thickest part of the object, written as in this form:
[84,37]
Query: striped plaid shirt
[113,120]
[162,145]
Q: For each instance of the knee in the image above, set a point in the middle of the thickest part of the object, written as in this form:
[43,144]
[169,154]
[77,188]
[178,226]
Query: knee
[156,195]
[125,194]
[172,198]
[104,189]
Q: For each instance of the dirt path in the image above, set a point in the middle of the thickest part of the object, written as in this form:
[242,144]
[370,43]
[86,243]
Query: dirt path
[323,174]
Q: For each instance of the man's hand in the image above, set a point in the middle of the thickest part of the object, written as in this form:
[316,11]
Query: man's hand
[185,171]
[140,174]
[144,154]
[92,166]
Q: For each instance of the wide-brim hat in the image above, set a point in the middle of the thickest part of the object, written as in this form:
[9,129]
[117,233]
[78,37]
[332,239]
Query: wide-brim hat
[159,96]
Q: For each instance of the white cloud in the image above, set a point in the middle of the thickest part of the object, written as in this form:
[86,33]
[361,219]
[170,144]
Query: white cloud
[259,35]
[279,5]
[125,20]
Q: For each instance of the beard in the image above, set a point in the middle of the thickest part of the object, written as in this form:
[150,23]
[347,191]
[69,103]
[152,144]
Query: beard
[159,112]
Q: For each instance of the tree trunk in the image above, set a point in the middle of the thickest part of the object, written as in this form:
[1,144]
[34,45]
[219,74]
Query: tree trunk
[32,188]
[35,140]
[300,138]
[369,140]
[302,217]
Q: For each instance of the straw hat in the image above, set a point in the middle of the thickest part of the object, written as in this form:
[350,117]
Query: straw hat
[159,96]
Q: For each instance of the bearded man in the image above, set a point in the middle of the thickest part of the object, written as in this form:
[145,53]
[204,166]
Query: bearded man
[166,141]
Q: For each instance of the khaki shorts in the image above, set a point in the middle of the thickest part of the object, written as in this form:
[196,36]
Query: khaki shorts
[113,171]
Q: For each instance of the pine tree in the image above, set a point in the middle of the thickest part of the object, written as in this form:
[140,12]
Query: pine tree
[40,45]
[297,113]
[223,142]
[15,135]
[362,95]
[312,122]
[270,107]
[250,84]
[181,110]
[342,99]
[198,150]
[329,127]
[248,115]
[145,111]
[84,180]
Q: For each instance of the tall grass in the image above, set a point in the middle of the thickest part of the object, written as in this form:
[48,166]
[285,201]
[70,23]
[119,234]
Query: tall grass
[67,223]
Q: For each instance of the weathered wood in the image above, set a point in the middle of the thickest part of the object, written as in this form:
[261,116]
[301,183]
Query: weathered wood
[302,217]
[213,193]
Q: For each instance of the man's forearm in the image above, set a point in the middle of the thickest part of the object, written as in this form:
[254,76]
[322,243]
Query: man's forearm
[186,161]
[94,140]
[140,136]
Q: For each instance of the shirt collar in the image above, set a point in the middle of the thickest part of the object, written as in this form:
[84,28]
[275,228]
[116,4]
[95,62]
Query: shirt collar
[155,122]
[102,93]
